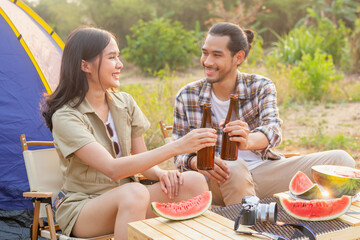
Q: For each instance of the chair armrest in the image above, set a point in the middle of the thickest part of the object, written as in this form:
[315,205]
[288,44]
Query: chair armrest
[37,194]
[287,155]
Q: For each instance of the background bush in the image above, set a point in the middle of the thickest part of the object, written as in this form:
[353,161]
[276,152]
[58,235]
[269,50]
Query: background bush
[313,76]
[290,48]
[159,43]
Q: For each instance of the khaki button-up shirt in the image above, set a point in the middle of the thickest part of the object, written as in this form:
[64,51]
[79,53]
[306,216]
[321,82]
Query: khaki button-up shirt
[74,128]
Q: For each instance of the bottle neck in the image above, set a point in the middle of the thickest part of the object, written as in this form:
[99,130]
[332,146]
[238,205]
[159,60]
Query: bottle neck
[206,120]
[233,112]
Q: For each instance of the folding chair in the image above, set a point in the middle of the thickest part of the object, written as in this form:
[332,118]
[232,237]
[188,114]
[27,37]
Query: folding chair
[45,181]
[167,138]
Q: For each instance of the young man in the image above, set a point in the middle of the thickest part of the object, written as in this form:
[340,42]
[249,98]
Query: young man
[257,170]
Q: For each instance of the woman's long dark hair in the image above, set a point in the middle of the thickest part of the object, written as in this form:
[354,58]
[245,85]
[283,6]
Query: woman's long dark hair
[84,43]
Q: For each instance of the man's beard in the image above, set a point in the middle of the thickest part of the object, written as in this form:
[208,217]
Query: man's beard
[211,79]
[219,78]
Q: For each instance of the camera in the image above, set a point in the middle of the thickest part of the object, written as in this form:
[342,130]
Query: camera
[253,211]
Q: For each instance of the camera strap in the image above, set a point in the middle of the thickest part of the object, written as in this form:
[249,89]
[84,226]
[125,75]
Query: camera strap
[301,227]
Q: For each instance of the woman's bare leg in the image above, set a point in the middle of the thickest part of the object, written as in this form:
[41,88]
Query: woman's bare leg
[194,184]
[111,211]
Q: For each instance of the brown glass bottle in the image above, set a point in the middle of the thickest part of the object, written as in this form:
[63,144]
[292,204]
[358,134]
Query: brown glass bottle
[205,156]
[229,149]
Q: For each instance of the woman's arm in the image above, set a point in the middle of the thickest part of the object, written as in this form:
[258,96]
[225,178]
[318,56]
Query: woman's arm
[138,146]
[95,155]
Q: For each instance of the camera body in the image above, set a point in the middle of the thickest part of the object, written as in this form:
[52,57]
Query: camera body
[254,211]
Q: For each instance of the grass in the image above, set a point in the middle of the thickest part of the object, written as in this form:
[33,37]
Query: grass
[327,142]
[319,141]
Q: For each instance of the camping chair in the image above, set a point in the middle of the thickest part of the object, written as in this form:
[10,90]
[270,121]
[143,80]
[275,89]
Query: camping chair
[45,181]
[167,138]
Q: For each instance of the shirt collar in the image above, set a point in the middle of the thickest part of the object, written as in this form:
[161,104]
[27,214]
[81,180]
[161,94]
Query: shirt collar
[241,89]
[85,106]
[241,86]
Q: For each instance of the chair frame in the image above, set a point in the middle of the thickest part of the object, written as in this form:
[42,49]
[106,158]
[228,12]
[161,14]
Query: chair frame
[38,227]
[164,129]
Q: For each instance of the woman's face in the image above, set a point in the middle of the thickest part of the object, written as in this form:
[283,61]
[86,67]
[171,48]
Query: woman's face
[110,66]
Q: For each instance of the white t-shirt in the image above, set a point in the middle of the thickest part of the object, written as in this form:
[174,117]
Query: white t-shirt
[220,109]
[114,137]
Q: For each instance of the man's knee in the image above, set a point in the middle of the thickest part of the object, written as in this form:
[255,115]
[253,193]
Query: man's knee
[239,172]
[342,158]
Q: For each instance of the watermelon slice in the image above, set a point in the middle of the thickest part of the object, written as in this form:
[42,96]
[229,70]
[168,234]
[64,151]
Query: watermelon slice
[184,209]
[301,186]
[337,180]
[316,210]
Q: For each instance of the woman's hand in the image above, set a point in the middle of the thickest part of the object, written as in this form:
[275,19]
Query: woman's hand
[196,140]
[170,182]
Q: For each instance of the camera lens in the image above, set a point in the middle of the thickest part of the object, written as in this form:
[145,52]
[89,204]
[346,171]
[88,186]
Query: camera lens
[267,212]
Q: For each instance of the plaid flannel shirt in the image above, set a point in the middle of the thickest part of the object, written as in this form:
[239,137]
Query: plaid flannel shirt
[257,107]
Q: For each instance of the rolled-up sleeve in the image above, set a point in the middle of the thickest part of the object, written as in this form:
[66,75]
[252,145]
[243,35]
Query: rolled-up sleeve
[269,120]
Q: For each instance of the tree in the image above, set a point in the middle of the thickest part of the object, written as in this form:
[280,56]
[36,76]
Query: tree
[62,15]
[117,16]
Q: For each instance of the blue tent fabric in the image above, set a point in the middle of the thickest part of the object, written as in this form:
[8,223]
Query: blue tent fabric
[21,91]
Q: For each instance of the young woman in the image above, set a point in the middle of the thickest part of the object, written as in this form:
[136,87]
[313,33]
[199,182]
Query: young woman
[98,135]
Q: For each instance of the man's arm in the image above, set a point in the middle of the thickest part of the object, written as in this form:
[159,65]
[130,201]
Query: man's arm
[269,120]
[268,131]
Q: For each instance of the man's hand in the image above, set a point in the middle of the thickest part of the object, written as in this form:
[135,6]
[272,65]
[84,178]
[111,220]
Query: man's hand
[238,132]
[219,174]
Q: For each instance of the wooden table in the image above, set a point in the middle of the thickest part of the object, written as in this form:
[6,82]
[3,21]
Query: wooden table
[213,226]
[207,226]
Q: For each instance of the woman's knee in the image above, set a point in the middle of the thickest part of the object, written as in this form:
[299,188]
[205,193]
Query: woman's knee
[194,182]
[133,196]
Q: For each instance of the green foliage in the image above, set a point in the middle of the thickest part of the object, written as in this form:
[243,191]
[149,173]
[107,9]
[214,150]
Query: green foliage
[280,17]
[334,10]
[327,142]
[188,12]
[313,76]
[159,43]
[334,40]
[324,36]
[256,54]
[117,16]
[62,15]
[299,41]
[355,47]
[157,103]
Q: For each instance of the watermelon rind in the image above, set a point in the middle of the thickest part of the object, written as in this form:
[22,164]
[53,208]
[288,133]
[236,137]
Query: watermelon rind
[309,190]
[337,185]
[185,209]
[311,210]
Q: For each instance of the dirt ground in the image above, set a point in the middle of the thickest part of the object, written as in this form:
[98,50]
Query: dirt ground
[333,119]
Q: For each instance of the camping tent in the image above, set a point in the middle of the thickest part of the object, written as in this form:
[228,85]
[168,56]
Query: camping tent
[30,57]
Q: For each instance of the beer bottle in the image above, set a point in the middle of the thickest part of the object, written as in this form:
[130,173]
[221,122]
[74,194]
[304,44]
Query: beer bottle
[205,156]
[229,149]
